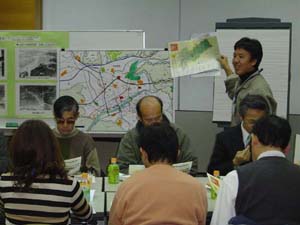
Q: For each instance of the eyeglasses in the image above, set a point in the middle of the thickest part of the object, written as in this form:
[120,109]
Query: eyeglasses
[63,121]
[155,119]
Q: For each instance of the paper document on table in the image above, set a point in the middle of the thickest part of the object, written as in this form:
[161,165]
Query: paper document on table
[183,167]
[194,56]
[135,168]
[73,165]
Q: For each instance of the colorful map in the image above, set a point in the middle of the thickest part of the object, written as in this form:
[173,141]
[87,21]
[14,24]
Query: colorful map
[194,56]
[108,84]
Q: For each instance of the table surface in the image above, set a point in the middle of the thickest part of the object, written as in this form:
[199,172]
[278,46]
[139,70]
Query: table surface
[98,197]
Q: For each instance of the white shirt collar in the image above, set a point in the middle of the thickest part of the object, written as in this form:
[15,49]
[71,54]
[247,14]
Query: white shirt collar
[245,134]
[273,153]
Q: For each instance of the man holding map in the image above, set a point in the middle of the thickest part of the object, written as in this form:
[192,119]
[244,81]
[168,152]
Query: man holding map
[150,110]
[247,79]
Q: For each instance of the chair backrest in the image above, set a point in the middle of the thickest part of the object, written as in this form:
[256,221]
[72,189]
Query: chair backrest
[241,220]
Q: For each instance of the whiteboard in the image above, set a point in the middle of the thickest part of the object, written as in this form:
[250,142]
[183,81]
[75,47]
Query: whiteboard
[297,150]
[107,39]
[275,64]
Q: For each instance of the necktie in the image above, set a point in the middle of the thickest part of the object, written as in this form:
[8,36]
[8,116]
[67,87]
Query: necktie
[248,140]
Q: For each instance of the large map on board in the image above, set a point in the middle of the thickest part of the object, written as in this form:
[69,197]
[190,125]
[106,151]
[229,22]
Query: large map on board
[108,84]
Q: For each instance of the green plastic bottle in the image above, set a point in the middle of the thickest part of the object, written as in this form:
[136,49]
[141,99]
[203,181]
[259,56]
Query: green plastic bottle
[113,172]
[85,184]
[213,193]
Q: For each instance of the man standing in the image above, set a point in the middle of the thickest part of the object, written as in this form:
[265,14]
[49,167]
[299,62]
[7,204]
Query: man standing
[160,194]
[232,146]
[247,79]
[265,191]
[150,110]
[73,142]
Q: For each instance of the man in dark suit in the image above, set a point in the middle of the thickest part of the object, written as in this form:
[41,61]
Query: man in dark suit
[265,191]
[232,145]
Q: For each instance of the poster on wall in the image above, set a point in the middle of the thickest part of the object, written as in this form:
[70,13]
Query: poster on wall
[28,58]
[108,84]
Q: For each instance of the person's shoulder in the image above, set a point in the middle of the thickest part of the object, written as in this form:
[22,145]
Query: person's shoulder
[230,131]
[56,132]
[259,80]
[132,133]
[190,180]
[132,181]
[178,129]
[295,167]
[68,183]
[82,135]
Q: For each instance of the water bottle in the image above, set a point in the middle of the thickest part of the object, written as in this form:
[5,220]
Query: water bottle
[86,186]
[113,172]
[213,193]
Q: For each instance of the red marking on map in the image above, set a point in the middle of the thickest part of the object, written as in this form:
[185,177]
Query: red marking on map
[174,47]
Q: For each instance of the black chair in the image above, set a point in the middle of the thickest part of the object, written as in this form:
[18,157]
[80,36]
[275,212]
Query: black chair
[241,220]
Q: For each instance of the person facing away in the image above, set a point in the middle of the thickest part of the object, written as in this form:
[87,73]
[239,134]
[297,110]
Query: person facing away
[265,191]
[38,190]
[232,146]
[150,110]
[160,194]
[73,142]
[247,79]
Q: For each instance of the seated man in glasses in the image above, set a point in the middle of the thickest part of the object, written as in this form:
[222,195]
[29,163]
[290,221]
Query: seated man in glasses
[73,142]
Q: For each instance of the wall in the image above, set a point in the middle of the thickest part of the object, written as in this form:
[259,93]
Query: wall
[170,20]
[21,15]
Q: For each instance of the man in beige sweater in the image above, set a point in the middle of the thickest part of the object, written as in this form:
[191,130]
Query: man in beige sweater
[160,194]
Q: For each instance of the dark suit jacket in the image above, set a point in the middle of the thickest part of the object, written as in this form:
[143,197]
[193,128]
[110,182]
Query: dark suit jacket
[228,142]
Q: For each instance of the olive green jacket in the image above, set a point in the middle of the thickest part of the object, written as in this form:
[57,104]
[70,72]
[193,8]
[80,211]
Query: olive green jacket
[254,85]
[129,152]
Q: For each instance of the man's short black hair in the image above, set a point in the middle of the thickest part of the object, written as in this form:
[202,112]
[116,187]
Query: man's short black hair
[160,141]
[253,102]
[273,131]
[252,46]
[138,105]
[63,104]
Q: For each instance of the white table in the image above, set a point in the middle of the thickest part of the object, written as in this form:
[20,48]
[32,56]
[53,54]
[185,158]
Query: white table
[97,201]
[110,187]
[210,202]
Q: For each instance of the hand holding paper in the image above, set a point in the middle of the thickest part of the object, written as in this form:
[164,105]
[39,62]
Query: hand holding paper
[73,165]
